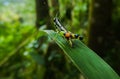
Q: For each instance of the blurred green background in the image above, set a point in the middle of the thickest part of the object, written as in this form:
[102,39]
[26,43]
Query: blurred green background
[27,53]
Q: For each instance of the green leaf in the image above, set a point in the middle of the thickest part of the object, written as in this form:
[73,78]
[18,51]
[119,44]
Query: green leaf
[86,60]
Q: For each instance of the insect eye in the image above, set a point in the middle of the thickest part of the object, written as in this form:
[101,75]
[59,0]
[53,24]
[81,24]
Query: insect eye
[76,35]
[81,37]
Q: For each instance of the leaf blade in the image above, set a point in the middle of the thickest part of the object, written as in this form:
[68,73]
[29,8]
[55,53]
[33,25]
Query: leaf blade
[86,60]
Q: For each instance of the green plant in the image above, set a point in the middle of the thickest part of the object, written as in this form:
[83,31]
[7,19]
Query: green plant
[86,60]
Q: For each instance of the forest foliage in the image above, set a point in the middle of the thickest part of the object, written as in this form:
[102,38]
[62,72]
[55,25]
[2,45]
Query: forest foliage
[27,53]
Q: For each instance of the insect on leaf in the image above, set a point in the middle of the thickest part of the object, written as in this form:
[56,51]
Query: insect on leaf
[86,60]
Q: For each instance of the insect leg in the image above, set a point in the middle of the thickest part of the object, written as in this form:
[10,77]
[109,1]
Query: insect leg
[59,25]
[70,42]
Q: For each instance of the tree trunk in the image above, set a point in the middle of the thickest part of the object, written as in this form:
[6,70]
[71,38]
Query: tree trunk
[102,33]
[99,24]
[42,12]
